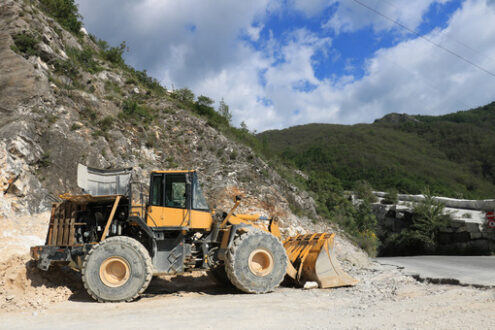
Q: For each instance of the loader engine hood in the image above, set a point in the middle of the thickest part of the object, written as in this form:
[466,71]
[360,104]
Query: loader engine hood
[98,182]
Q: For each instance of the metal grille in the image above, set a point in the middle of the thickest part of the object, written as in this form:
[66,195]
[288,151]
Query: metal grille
[62,228]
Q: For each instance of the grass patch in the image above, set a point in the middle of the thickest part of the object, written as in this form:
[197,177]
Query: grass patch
[25,43]
[135,112]
[85,58]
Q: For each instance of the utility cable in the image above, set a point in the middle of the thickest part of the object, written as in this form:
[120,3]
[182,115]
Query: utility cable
[424,38]
[430,25]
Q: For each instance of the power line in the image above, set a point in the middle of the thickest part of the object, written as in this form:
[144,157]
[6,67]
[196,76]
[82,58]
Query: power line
[443,35]
[425,38]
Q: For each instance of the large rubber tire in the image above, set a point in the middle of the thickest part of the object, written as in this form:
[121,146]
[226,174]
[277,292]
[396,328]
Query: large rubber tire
[117,269]
[240,257]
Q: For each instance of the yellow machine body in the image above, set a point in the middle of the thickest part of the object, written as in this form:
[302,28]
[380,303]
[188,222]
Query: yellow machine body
[159,216]
[311,257]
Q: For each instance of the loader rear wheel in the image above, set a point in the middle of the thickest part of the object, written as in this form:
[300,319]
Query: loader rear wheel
[256,262]
[117,269]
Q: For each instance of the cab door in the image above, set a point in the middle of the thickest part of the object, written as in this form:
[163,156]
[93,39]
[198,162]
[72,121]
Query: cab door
[168,199]
[154,215]
[175,213]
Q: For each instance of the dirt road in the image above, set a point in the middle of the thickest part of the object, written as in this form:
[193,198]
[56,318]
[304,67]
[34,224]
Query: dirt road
[385,298]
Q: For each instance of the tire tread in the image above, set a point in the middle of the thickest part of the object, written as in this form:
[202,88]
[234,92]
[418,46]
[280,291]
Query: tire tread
[230,262]
[139,248]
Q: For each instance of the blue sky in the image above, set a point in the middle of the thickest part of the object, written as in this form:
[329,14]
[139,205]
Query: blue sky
[285,63]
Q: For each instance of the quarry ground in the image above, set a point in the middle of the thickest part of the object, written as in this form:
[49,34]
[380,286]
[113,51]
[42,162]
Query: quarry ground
[385,298]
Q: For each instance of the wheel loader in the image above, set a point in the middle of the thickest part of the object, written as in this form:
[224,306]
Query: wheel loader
[118,244]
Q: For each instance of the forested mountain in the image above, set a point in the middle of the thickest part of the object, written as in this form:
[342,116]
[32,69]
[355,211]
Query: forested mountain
[453,155]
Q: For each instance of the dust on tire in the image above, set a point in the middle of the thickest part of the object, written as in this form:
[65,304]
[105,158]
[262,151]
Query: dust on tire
[134,253]
[237,268]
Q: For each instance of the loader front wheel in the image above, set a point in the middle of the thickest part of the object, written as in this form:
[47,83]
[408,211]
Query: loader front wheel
[117,269]
[256,262]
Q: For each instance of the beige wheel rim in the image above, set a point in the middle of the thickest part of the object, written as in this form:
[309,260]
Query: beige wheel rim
[115,272]
[260,262]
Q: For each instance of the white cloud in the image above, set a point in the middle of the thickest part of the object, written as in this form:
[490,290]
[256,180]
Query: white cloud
[180,41]
[352,16]
[194,44]
[417,77]
[253,31]
[310,7]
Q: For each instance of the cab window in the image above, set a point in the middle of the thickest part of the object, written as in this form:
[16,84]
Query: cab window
[199,201]
[175,191]
[156,195]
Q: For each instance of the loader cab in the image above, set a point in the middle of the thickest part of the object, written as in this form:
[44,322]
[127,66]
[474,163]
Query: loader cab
[177,201]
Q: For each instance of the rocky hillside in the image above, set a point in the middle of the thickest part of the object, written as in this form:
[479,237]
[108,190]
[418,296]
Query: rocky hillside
[66,98]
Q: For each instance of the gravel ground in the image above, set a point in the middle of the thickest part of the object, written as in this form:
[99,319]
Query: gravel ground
[385,298]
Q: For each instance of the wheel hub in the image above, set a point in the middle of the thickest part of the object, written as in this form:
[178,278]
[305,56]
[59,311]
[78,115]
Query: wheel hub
[260,262]
[114,272]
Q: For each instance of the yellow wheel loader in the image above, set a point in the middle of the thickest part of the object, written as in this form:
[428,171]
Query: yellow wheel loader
[119,245]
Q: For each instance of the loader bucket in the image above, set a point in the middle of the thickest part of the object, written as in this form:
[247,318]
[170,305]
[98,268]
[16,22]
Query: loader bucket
[312,259]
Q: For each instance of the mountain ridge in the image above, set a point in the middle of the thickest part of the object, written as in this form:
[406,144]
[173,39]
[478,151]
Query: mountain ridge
[452,154]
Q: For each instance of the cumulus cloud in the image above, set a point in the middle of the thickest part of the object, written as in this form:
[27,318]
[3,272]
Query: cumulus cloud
[270,82]
[351,16]
[311,7]
[417,77]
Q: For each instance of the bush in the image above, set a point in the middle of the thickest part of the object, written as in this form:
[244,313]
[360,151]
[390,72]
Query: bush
[106,123]
[67,68]
[114,54]
[406,243]
[428,217]
[184,95]
[391,197]
[364,191]
[44,160]
[85,59]
[25,43]
[421,236]
[133,110]
[149,83]
[65,12]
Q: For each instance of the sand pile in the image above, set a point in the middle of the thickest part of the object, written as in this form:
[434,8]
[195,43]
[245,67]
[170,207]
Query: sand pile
[22,285]
[19,233]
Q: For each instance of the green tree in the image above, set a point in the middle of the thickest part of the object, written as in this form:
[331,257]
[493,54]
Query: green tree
[224,111]
[244,127]
[204,101]
[421,236]
[65,12]
[114,54]
[364,191]
[391,197]
[428,218]
[204,106]
[184,95]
